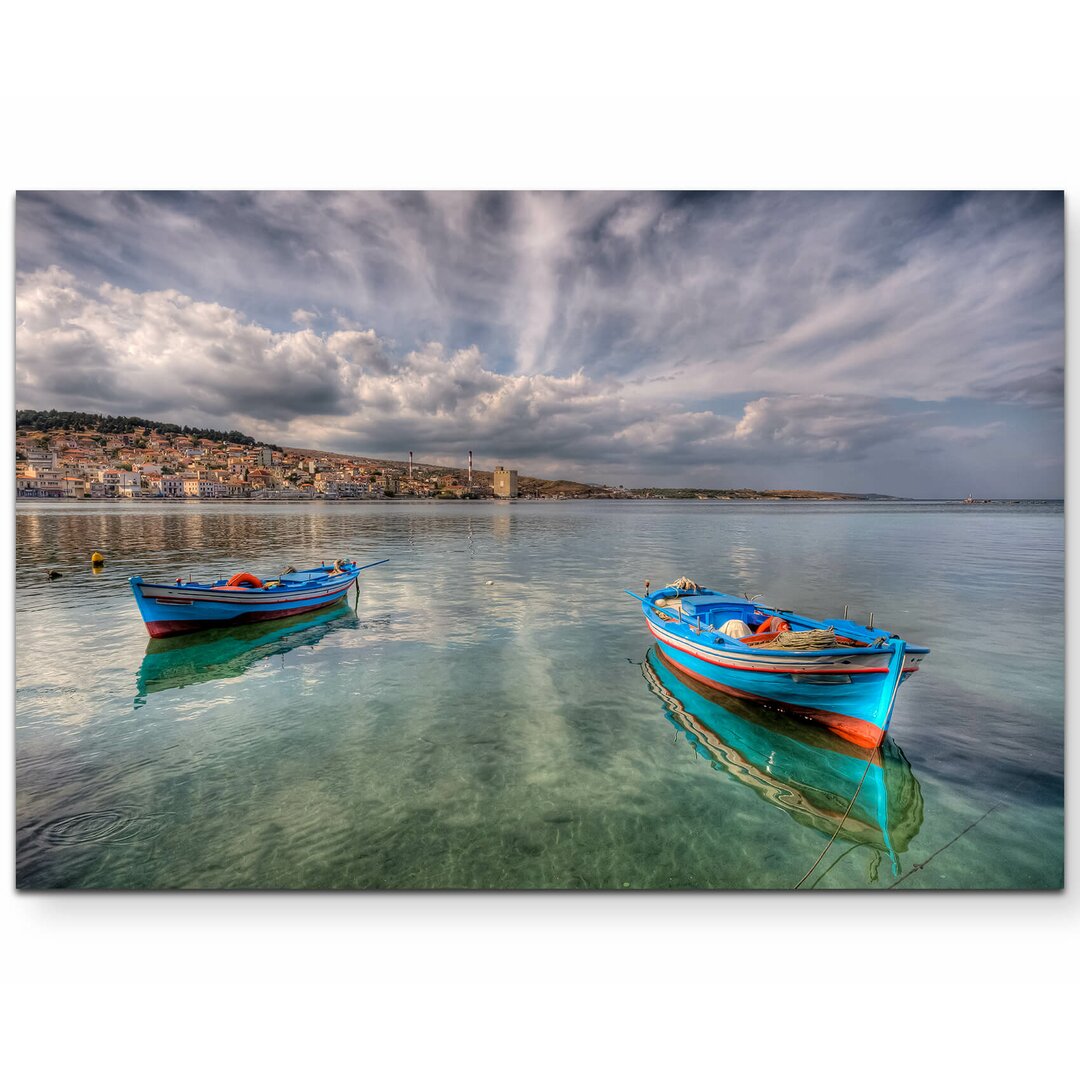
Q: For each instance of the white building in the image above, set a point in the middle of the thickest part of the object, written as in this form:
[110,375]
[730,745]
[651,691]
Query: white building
[205,489]
[37,460]
[130,485]
[110,482]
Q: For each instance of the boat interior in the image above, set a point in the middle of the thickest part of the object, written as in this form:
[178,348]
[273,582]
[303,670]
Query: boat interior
[745,622]
[286,579]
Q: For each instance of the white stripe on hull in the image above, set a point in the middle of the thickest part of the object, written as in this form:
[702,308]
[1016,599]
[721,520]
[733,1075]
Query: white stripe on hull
[170,594]
[847,663]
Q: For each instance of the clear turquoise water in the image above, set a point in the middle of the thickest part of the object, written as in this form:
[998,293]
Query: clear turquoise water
[452,733]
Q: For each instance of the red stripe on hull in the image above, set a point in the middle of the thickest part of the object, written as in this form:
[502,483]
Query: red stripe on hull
[172,627]
[851,728]
[769,669]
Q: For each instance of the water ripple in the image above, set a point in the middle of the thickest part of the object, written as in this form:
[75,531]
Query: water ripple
[118,825]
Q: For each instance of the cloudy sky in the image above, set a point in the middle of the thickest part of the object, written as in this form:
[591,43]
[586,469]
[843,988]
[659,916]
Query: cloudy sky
[905,343]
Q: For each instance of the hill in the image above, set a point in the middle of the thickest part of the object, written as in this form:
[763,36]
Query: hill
[527,485]
[56,420]
[534,486]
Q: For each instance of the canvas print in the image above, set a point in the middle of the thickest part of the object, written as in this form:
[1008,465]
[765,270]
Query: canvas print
[539,540]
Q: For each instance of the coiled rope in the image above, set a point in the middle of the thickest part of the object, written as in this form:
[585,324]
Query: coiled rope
[684,584]
[799,639]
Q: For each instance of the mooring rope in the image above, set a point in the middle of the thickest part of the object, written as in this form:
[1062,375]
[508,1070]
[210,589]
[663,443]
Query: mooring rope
[843,855]
[869,762]
[1001,802]
[919,866]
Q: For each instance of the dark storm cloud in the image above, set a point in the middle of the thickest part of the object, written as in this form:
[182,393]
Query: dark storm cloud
[562,329]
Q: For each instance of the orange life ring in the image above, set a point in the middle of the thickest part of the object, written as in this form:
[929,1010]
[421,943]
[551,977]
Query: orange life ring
[773,625]
[249,580]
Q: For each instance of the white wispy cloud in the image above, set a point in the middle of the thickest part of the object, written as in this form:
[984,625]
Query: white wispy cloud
[166,354]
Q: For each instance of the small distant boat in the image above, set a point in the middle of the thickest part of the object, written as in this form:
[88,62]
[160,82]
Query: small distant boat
[837,673]
[188,607]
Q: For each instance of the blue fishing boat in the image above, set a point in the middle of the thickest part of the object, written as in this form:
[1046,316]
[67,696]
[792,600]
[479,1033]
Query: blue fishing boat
[839,673]
[174,662]
[191,606]
[802,769]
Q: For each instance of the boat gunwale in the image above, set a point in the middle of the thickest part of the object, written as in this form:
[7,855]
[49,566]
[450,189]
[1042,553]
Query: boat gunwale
[797,661]
[274,587]
[682,627]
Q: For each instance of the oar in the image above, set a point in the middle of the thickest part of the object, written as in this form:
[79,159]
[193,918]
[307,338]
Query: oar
[371,564]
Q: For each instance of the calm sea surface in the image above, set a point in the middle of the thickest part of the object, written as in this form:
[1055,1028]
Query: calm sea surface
[491,714]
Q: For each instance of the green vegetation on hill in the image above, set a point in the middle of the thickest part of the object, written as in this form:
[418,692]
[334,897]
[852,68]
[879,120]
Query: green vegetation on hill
[55,420]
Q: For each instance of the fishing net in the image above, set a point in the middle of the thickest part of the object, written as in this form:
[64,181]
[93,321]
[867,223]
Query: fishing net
[799,639]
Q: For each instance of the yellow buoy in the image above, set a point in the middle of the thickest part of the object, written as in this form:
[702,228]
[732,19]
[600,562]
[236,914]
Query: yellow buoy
[97,559]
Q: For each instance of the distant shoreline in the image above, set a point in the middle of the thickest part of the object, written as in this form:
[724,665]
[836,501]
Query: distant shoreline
[148,451]
[67,501]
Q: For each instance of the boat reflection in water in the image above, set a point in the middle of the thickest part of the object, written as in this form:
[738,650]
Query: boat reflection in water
[806,771]
[170,663]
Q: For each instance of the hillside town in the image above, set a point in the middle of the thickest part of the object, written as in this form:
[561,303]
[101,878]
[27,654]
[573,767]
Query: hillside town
[148,463]
[87,456]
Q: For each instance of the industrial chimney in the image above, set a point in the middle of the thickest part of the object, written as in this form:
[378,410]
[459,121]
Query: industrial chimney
[410,464]
[470,468]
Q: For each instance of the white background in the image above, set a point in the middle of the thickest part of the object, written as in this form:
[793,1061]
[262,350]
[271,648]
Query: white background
[563,95]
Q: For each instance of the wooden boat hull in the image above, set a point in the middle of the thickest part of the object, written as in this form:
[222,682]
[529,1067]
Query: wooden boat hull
[181,609]
[799,768]
[850,691]
[228,652]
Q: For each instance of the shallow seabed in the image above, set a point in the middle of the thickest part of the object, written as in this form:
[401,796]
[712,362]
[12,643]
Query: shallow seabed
[490,716]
